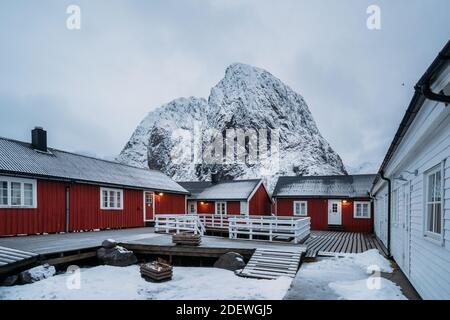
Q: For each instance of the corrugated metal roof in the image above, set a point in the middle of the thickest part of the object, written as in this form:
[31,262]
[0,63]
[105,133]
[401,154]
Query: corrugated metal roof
[20,158]
[351,186]
[226,190]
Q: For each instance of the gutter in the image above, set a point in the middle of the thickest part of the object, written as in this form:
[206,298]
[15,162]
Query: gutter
[389,213]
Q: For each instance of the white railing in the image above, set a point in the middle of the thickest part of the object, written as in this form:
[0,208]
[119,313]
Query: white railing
[178,223]
[222,221]
[298,228]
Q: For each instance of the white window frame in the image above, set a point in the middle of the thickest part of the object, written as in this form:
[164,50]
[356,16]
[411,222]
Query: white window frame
[362,203]
[243,205]
[108,207]
[216,206]
[22,182]
[300,203]
[434,237]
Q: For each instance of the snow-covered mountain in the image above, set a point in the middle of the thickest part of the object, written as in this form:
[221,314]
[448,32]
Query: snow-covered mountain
[246,98]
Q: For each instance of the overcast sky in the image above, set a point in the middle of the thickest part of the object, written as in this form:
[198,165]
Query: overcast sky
[91,87]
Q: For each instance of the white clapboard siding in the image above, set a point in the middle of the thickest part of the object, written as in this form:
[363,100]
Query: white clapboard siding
[426,144]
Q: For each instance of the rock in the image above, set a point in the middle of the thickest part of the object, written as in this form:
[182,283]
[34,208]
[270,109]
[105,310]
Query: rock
[10,281]
[109,243]
[37,274]
[230,261]
[117,256]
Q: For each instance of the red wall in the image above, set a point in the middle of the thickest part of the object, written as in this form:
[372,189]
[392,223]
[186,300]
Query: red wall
[209,207]
[170,203]
[85,212]
[260,203]
[49,216]
[318,212]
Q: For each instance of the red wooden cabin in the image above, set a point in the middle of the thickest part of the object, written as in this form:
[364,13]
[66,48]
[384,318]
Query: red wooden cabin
[44,190]
[332,202]
[228,197]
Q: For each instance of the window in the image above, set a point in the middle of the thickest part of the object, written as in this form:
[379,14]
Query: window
[433,203]
[111,199]
[15,192]
[334,208]
[362,210]
[192,205]
[221,208]
[300,208]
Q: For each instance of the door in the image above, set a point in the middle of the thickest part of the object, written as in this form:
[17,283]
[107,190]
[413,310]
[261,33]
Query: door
[407,227]
[192,207]
[148,205]
[334,212]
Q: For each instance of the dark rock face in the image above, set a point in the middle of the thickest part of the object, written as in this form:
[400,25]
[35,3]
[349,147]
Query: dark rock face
[116,256]
[10,281]
[230,261]
[247,98]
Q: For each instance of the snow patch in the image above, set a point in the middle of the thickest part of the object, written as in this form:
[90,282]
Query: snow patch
[114,283]
[360,290]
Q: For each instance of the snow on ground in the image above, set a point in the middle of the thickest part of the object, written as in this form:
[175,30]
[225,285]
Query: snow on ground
[350,277]
[115,283]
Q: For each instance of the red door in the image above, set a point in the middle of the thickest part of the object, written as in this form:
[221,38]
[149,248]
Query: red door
[148,205]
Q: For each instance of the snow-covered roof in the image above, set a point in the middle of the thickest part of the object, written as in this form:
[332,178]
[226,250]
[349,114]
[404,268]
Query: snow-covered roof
[19,158]
[348,186]
[225,190]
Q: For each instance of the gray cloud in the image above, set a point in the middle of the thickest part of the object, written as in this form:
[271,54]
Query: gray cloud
[91,88]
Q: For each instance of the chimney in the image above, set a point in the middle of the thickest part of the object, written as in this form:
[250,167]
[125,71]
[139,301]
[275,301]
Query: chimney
[39,139]
[215,178]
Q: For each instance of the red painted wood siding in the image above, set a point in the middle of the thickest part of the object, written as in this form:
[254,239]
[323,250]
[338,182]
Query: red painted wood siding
[170,203]
[209,207]
[260,203]
[318,212]
[233,207]
[206,207]
[85,212]
[49,216]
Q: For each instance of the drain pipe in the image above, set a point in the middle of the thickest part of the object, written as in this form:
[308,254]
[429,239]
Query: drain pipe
[382,176]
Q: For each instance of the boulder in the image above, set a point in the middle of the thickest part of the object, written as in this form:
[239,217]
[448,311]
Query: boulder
[37,274]
[117,256]
[109,243]
[10,281]
[230,261]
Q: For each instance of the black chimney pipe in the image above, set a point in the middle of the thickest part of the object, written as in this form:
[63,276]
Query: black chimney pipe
[39,139]
[215,178]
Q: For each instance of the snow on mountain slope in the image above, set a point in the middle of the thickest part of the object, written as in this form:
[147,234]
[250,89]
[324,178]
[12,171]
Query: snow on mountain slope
[246,98]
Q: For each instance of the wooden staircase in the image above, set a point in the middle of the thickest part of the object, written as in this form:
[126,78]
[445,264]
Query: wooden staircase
[272,264]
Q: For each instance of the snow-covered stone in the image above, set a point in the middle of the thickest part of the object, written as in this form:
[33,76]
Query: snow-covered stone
[246,98]
[109,243]
[37,273]
[116,256]
[230,261]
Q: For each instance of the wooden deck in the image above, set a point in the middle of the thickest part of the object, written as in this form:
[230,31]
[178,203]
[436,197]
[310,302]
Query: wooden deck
[333,243]
[11,259]
[72,247]
[271,264]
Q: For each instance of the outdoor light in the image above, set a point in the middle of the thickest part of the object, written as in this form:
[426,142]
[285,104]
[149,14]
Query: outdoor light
[160,194]
[344,201]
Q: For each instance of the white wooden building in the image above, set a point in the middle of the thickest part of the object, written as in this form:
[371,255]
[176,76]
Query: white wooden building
[412,193]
